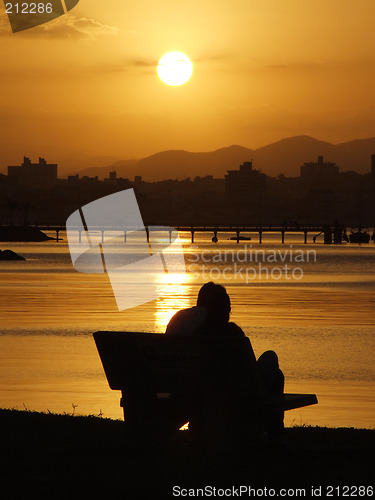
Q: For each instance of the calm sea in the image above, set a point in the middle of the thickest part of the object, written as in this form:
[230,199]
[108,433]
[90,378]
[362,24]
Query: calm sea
[313,304]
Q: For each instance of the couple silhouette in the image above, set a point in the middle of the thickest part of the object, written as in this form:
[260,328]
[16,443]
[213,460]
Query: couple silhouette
[210,317]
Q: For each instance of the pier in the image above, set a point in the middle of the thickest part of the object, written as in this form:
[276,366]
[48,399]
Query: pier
[331,233]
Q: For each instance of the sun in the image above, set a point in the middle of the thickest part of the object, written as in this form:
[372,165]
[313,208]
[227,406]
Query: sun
[175,68]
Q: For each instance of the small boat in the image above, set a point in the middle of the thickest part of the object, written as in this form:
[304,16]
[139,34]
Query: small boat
[359,237]
[240,238]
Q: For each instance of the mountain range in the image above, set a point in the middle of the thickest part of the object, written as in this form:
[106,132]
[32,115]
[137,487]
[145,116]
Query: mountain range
[281,157]
[285,156]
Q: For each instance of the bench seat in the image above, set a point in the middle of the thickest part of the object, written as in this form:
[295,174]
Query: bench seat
[162,376]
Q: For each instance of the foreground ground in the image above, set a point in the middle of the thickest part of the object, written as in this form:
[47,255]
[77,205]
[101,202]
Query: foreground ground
[61,456]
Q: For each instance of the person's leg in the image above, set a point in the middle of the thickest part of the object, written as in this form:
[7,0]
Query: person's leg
[273,381]
[276,415]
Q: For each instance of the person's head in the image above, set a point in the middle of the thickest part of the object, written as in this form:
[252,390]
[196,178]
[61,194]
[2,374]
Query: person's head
[218,307]
[204,293]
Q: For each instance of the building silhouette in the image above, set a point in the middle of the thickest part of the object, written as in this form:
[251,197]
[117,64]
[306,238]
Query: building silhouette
[320,195]
[41,175]
[320,174]
[245,191]
[244,188]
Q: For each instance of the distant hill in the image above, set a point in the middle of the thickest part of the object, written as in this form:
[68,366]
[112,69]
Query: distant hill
[122,167]
[285,156]
[182,164]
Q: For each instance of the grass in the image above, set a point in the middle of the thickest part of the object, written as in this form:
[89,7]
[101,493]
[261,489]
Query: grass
[45,455]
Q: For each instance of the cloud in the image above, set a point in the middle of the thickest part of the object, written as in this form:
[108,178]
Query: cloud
[70,26]
[213,58]
[145,65]
[127,65]
[67,26]
[141,63]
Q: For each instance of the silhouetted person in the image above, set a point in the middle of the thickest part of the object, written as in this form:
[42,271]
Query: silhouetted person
[214,321]
[218,308]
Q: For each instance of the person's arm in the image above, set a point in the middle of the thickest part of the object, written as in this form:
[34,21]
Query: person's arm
[173,325]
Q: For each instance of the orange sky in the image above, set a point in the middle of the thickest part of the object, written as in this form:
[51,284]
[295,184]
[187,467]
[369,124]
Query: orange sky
[263,70]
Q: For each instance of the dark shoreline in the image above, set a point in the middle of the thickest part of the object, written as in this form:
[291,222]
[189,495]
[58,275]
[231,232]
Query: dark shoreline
[68,456]
[23,234]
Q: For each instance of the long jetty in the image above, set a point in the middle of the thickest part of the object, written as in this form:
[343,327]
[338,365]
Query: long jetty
[331,233]
[327,230]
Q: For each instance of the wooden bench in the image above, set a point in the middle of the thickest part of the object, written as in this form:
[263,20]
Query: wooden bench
[167,381]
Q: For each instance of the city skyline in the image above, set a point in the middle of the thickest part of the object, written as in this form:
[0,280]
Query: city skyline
[321,194]
[282,157]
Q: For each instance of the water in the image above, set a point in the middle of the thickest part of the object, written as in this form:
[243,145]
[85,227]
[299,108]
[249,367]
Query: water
[317,314]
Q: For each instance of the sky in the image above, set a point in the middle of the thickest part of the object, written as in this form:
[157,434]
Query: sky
[86,83]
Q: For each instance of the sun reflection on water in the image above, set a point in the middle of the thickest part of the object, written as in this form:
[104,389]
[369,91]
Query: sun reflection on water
[175,293]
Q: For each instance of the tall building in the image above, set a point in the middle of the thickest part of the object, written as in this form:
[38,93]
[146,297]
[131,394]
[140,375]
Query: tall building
[320,174]
[41,175]
[244,187]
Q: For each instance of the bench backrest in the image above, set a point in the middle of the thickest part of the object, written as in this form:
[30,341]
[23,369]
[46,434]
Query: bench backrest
[176,363]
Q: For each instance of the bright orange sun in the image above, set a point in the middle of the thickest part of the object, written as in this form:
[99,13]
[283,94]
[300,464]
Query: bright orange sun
[175,68]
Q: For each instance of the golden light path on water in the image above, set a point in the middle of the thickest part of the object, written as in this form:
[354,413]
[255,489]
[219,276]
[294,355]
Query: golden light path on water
[178,292]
